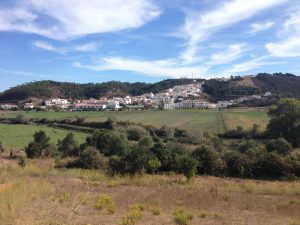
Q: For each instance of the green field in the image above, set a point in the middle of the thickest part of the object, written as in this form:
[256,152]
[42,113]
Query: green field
[18,136]
[186,119]
[196,121]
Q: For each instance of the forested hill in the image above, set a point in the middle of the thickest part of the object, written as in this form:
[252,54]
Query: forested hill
[51,89]
[217,89]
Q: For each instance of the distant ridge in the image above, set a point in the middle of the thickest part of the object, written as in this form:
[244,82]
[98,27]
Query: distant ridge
[217,89]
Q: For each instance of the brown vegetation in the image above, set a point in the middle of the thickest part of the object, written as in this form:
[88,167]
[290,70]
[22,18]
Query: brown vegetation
[41,194]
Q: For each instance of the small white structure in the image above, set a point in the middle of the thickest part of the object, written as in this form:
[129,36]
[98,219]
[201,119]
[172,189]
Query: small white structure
[29,106]
[268,94]
[113,105]
[8,106]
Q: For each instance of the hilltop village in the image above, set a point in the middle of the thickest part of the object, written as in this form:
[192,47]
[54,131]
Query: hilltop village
[188,96]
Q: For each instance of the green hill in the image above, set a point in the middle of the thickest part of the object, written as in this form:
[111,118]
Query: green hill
[217,89]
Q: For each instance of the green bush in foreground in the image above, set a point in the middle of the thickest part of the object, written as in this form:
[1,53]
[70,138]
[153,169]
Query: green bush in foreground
[181,217]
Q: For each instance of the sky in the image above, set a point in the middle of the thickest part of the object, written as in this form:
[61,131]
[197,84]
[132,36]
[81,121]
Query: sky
[146,40]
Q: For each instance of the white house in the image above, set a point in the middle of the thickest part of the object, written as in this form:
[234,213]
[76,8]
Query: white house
[8,106]
[113,105]
[28,105]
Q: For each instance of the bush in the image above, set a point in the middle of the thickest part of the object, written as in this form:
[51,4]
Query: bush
[68,146]
[209,160]
[239,165]
[109,142]
[135,133]
[106,202]
[285,121]
[181,217]
[281,146]
[246,145]
[1,147]
[153,165]
[271,166]
[116,165]
[20,119]
[40,143]
[146,142]
[187,165]
[90,158]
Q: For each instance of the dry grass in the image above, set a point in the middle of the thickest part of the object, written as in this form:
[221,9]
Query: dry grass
[42,195]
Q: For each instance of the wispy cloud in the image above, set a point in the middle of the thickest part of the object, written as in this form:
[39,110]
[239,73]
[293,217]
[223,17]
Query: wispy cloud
[289,45]
[233,53]
[258,27]
[249,65]
[199,26]
[76,18]
[88,47]
[170,67]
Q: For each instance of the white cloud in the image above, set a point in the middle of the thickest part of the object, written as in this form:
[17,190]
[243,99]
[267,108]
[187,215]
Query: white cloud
[233,52]
[289,45]
[48,47]
[199,26]
[88,47]
[258,27]
[248,65]
[69,19]
[170,67]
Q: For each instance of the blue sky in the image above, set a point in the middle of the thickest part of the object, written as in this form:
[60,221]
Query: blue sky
[146,40]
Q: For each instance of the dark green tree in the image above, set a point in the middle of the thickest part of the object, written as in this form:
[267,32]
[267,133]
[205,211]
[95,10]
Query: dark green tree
[68,146]
[285,121]
[40,143]
[187,165]
[209,160]
[280,145]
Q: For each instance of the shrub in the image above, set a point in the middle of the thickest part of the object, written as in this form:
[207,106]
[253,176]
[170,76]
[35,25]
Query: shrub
[68,146]
[20,119]
[153,165]
[89,159]
[135,133]
[106,202]
[34,150]
[271,166]
[187,165]
[281,146]
[163,154]
[1,147]
[146,142]
[155,210]
[246,145]
[239,165]
[109,142]
[22,161]
[285,121]
[181,217]
[209,161]
[115,165]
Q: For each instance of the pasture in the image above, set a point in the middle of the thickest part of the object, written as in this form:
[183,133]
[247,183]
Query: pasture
[201,119]
[19,135]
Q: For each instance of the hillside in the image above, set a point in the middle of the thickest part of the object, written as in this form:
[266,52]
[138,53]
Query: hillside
[50,89]
[279,84]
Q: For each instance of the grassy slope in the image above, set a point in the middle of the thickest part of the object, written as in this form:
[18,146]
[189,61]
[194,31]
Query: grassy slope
[39,194]
[18,136]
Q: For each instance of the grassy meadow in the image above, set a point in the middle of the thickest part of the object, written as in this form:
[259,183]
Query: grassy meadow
[39,194]
[17,136]
[195,121]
